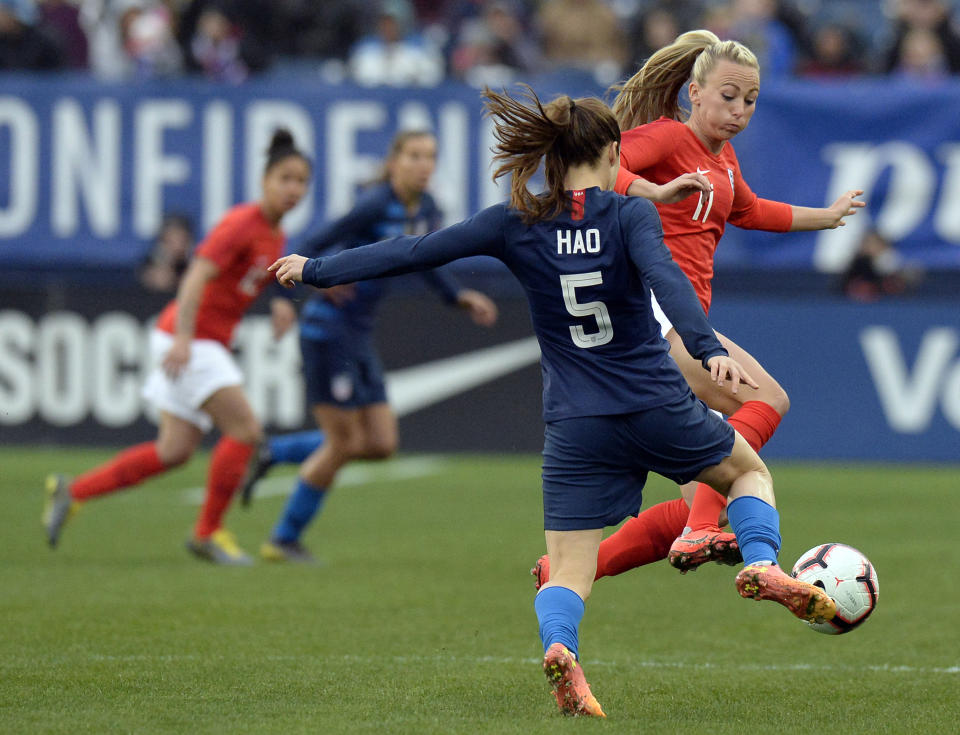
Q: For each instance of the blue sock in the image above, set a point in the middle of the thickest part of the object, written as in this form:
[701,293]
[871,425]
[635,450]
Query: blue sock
[559,611]
[757,525]
[294,448]
[302,506]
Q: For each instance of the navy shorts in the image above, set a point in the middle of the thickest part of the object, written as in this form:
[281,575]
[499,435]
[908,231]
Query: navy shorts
[595,467]
[342,372]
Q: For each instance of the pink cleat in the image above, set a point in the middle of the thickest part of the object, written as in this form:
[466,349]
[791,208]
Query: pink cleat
[770,582]
[698,547]
[568,683]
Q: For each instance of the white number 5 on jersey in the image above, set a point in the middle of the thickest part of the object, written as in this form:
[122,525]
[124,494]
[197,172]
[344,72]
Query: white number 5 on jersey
[596,309]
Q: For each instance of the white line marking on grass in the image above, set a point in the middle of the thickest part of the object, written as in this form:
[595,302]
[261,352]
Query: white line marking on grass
[500,660]
[887,668]
[361,473]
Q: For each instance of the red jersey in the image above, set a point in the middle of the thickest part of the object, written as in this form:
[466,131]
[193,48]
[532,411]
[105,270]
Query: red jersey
[663,150]
[242,245]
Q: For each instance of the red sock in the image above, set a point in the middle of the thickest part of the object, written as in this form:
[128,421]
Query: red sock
[227,465]
[642,540]
[755,421]
[131,466]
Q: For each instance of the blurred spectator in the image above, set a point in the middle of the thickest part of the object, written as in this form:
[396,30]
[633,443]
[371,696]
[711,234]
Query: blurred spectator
[922,57]
[130,38]
[756,24]
[61,20]
[325,30]
[654,29]
[22,44]
[225,39]
[494,48]
[932,16]
[877,269]
[837,52]
[585,35]
[168,259]
[148,39]
[395,55]
[215,48]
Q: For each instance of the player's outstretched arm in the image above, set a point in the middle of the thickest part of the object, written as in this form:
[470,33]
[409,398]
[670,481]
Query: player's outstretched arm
[827,218]
[673,191]
[481,234]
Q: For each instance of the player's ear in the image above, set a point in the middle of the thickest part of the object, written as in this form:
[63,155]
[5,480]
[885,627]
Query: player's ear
[613,153]
[693,92]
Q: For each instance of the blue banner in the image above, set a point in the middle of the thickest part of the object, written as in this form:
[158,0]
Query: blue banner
[872,382]
[88,170]
[809,142]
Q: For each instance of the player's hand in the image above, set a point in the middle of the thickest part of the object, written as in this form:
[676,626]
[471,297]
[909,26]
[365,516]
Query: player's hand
[481,309]
[340,295]
[177,357]
[683,186]
[283,315]
[723,367]
[289,270]
[845,206]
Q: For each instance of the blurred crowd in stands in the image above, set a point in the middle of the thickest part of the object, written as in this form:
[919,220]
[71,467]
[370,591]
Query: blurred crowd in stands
[495,42]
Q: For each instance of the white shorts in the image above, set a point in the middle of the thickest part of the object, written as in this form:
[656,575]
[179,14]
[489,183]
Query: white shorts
[665,325]
[211,368]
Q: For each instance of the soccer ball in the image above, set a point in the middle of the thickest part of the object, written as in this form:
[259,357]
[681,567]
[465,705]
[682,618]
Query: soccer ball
[848,577]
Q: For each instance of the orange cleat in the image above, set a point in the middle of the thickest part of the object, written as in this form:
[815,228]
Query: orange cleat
[541,570]
[770,582]
[568,683]
[698,547]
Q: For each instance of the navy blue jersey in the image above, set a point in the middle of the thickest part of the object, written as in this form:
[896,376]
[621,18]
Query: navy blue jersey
[587,275]
[377,215]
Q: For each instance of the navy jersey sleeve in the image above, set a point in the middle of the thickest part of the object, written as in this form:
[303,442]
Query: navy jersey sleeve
[644,235]
[440,281]
[482,234]
[354,225]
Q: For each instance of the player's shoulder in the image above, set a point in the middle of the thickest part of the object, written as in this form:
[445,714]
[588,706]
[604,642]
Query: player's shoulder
[375,196]
[427,203]
[245,212]
[663,128]
[729,155]
[239,219]
[631,207]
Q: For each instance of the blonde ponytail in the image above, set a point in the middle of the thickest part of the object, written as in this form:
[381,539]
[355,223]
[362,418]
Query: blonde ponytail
[654,91]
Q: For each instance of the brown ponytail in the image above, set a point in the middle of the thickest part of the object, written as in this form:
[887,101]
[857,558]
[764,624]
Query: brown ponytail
[564,133]
[654,91]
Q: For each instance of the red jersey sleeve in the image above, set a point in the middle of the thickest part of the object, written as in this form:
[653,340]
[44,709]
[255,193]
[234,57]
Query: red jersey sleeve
[624,179]
[753,213]
[640,149]
[225,243]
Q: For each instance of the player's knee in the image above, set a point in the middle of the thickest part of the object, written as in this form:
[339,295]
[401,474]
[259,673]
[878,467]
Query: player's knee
[248,434]
[780,401]
[174,455]
[347,445]
[381,447]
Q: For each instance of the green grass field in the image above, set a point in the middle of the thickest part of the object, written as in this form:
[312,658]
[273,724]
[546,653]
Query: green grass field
[421,620]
